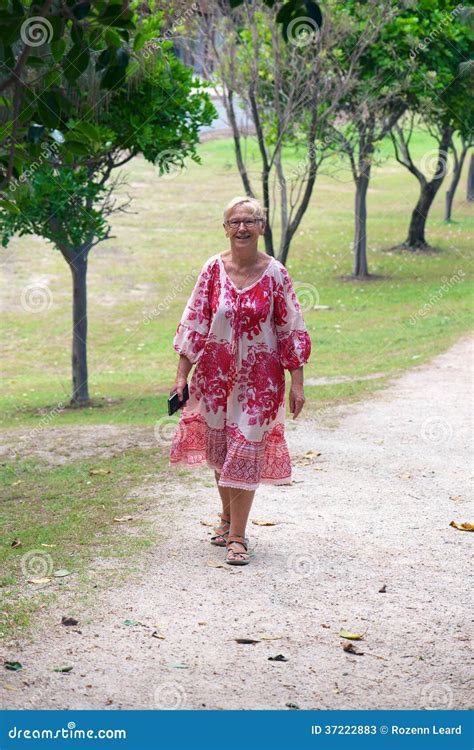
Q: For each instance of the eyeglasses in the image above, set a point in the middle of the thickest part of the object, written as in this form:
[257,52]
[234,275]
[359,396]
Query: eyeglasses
[235,223]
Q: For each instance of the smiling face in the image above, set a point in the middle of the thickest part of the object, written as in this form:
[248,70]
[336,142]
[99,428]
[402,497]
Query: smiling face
[243,227]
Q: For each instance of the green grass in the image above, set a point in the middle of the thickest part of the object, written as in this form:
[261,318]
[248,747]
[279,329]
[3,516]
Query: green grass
[64,518]
[157,253]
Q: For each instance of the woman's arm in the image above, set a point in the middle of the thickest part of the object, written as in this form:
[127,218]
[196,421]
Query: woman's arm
[184,367]
[296,397]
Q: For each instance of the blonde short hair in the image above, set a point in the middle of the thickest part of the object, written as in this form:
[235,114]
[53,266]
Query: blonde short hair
[254,205]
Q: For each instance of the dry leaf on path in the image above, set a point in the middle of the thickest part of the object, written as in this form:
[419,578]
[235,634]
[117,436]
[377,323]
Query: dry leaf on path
[206,523]
[352,636]
[122,519]
[350,648]
[99,472]
[250,641]
[264,523]
[269,637]
[39,580]
[462,526]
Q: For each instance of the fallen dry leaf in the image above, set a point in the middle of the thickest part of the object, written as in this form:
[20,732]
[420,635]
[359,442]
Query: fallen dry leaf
[206,523]
[269,637]
[69,621]
[123,519]
[38,580]
[99,472]
[217,564]
[350,648]
[352,636]
[264,523]
[246,640]
[16,543]
[462,526]
[156,634]
[455,497]
[48,545]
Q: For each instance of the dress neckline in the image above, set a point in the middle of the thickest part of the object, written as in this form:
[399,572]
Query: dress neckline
[250,285]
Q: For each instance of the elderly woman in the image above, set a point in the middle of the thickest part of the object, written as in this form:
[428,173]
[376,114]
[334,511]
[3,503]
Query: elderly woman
[242,326]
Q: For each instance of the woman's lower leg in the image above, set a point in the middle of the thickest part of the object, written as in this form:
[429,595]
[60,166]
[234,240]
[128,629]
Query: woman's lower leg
[224,492]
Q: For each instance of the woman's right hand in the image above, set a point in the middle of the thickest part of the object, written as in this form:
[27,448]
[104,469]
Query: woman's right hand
[178,386]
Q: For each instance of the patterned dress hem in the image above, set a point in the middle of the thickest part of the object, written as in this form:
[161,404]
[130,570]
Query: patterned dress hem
[283,481]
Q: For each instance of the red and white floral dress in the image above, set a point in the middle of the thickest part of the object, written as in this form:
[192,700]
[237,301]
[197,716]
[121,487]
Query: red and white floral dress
[241,340]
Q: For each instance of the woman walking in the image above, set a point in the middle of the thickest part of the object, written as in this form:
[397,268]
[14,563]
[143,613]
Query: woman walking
[242,327]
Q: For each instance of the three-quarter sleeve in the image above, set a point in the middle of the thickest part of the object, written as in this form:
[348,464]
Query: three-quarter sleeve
[193,328]
[294,343]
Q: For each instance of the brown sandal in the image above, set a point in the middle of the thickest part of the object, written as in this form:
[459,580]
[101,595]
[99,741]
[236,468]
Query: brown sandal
[243,557]
[219,538]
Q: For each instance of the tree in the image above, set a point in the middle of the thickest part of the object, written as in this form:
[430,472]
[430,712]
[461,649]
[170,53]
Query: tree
[46,48]
[68,197]
[459,158]
[440,99]
[290,92]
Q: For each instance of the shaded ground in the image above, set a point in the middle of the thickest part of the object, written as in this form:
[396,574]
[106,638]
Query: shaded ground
[371,511]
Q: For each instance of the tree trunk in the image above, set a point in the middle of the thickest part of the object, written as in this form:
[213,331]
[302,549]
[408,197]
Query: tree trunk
[416,232]
[80,386]
[361,269]
[454,183]
[470,180]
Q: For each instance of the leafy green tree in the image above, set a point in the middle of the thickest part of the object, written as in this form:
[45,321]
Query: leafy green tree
[440,99]
[67,195]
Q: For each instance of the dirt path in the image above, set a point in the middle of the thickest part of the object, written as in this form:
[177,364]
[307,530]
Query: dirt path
[372,510]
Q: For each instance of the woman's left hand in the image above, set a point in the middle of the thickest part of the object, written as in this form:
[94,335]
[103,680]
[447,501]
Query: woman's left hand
[297,398]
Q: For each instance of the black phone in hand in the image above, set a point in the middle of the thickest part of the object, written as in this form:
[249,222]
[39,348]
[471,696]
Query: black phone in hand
[174,403]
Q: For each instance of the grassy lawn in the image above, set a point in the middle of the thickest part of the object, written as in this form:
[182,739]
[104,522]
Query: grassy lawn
[64,518]
[157,253]
[139,281]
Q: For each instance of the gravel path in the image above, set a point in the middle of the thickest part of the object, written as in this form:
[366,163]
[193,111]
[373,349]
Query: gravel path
[371,511]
